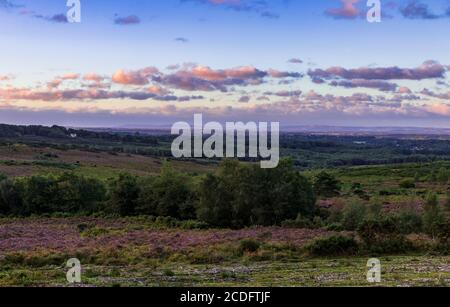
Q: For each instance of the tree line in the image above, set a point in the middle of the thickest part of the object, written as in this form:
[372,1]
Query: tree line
[236,195]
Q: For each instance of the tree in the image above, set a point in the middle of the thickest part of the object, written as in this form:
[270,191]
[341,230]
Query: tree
[242,195]
[124,195]
[432,216]
[353,216]
[326,185]
[170,194]
[443,175]
[447,203]
[10,198]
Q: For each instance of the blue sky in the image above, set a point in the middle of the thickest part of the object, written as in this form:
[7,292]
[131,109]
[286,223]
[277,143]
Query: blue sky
[141,62]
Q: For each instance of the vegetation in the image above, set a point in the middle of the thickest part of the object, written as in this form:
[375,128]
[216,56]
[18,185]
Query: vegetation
[117,202]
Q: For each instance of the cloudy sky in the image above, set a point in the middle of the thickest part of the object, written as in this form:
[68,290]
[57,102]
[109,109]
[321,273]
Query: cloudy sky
[141,63]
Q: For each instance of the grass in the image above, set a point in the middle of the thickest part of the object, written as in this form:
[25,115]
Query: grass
[396,271]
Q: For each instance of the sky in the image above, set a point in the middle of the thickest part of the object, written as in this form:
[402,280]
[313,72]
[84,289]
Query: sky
[151,63]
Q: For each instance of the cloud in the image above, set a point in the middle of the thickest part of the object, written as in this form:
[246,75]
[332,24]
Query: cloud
[244,99]
[181,40]
[375,84]
[428,70]
[157,90]
[295,61]
[57,18]
[430,93]
[78,94]
[204,78]
[416,10]
[439,108]
[347,10]
[128,20]
[138,77]
[284,93]
[5,78]
[260,7]
[94,77]
[6,4]
[404,90]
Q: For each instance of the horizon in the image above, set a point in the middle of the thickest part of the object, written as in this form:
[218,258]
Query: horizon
[150,64]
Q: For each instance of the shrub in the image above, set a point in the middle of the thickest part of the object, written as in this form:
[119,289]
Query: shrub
[407,184]
[442,175]
[299,222]
[408,222]
[248,246]
[353,216]
[333,246]
[326,185]
[432,216]
[383,236]
[124,195]
[335,227]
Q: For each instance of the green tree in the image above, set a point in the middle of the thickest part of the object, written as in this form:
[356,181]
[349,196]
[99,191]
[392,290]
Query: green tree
[432,216]
[10,198]
[170,194]
[124,195]
[443,175]
[447,203]
[242,195]
[353,215]
[326,185]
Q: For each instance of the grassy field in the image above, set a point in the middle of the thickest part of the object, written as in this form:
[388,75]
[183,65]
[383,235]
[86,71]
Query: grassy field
[403,271]
[22,160]
[140,252]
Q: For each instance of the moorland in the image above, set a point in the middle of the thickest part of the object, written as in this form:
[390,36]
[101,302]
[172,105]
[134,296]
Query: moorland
[135,216]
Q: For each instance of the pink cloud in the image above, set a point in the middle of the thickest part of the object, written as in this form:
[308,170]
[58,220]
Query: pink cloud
[346,11]
[138,77]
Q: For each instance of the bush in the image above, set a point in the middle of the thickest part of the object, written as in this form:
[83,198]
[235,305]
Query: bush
[383,237]
[124,195]
[326,185]
[353,216]
[333,246]
[407,184]
[408,222]
[248,246]
[432,216]
[300,222]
